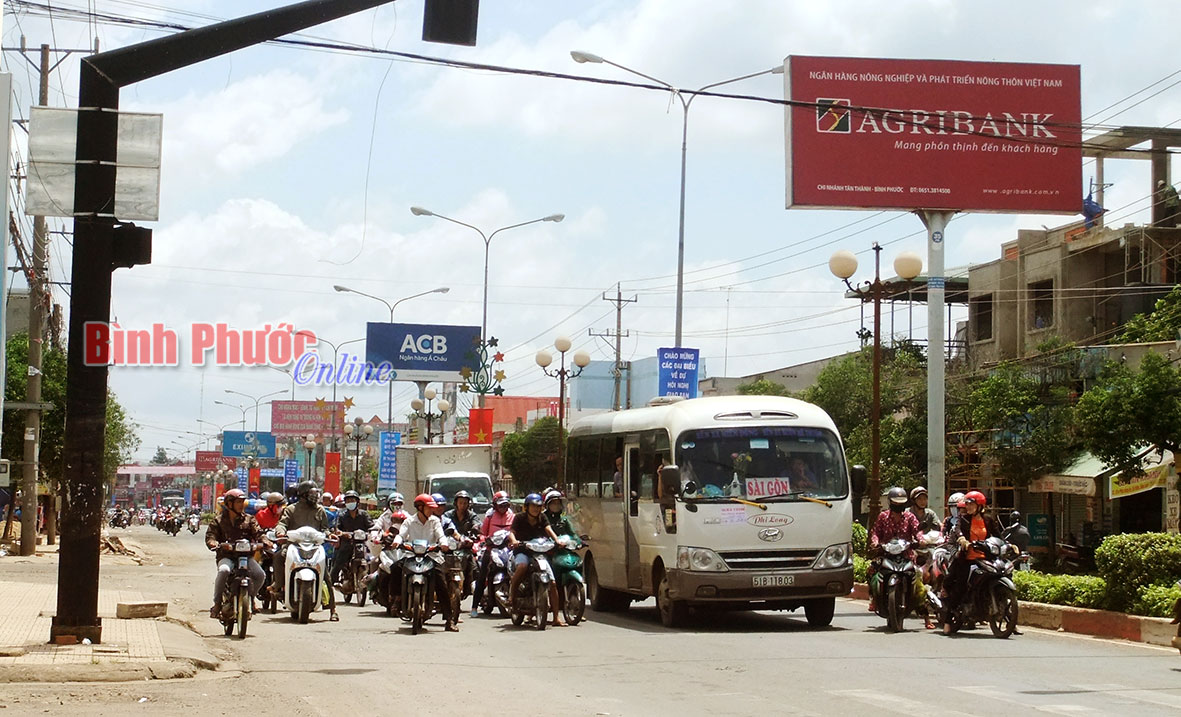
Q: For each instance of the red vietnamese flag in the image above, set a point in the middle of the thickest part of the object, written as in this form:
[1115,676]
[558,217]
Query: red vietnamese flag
[332,472]
[479,425]
[254,481]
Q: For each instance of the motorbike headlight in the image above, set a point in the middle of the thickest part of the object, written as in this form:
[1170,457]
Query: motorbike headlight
[834,556]
[358,535]
[242,546]
[699,559]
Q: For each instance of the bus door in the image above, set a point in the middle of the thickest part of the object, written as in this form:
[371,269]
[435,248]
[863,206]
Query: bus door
[631,506]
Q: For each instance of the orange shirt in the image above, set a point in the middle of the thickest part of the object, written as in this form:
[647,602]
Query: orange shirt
[977,531]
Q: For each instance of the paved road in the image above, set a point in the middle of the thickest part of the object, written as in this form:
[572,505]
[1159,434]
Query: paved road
[624,664]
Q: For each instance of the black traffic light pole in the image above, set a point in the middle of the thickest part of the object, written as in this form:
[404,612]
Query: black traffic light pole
[96,253]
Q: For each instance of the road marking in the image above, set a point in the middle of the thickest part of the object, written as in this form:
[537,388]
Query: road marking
[1150,696]
[893,703]
[994,692]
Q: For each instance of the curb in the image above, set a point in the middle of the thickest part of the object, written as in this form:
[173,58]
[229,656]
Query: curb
[1082,621]
[183,644]
[107,672]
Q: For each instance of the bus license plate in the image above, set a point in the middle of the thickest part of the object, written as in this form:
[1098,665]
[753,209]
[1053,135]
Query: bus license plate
[774,581]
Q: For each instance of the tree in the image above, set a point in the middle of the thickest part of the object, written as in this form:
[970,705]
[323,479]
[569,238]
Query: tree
[161,458]
[531,456]
[1161,324]
[763,387]
[1128,410]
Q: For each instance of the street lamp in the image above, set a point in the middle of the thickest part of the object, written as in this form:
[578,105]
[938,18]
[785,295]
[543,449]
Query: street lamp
[418,405]
[391,307]
[357,431]
[234,405]
[843,264]
[420,212]
[544,359]
[582,57]
[310,446]
[256,402]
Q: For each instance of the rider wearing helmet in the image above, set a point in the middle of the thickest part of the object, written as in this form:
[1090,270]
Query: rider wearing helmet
[953,510]
[352,518]
[425,525]
[894,522]
[928,521]
[462,521]
[499,517]
[440,510]
[527,526]
[971,525]
[554,503]
[232,525]
[305,513]
[385,522]
[269,516]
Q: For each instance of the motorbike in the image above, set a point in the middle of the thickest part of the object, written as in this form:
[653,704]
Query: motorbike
[306,566]
[500,571]
[991,595]
[266,560]
[418,562]
[194,523]
[173,526]
[533,592]
[388,591]
[459,573]
[236,598]
[568,574]
[893,584]
[120,520]
[352,577]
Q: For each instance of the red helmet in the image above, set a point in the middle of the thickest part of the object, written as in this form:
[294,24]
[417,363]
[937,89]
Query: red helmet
[499,498]
[399,516]
[424,499]
[233,494]
[975,496]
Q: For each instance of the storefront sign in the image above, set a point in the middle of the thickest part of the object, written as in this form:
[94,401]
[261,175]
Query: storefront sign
[1038,525]
[1070,485]
[1153,478]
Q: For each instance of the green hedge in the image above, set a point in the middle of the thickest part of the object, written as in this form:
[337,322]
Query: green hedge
[1074,590]
[860,566]
[860,538]
[1156,600]
[1132,562]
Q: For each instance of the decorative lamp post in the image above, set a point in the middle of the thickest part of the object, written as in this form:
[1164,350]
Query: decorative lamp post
[480,375]
[256,402]
[423,410]
[544,359]
[310,446]
[843,264]
[240,408]
[357,431]
[583,57]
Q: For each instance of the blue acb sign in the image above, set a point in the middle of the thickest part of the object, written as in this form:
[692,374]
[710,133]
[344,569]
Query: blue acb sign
[387,468]
[422,352]
[239,444]
[676,374]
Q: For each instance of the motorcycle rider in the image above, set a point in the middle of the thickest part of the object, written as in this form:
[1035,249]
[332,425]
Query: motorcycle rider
[527,526]
[894,522]
[461,518]
[554,504]
[441,513]
[269,516]
[299,515]
[499,517]
[232,525]
[424,525]
[928,520]
[351,519]
[969,526]
[953,508]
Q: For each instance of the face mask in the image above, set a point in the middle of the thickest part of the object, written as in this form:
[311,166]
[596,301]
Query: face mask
[351,505]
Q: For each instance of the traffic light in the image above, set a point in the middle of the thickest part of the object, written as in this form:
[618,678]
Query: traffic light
[450,21]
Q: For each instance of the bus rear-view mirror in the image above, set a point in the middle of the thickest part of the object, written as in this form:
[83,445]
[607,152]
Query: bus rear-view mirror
[670,481]
[859,475]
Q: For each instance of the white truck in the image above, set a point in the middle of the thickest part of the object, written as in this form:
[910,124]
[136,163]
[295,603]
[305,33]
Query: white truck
[446,469]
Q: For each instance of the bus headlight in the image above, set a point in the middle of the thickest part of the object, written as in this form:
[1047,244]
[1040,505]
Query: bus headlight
[699,559]
[834,556]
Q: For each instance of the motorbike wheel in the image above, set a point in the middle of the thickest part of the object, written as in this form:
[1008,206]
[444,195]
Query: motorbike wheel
[896,607]
[243,613]
[541,600]
[417,608]
[362,592]
[307,598]
[518,618]
[575,606]
[1003,623]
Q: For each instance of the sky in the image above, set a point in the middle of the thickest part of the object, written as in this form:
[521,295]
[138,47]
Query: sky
[287,171]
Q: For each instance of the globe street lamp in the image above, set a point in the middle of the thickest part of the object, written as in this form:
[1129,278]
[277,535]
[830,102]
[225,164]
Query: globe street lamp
[544,359]
[391,307]
[582,57]
[256,402]
[357,431]
[418,406]
[843,264]
[420,212]
[310,446]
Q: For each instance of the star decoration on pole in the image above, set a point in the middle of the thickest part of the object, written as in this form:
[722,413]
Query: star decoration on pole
[480,375]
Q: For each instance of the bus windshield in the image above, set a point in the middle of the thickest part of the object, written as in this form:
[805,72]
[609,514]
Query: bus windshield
[762,463]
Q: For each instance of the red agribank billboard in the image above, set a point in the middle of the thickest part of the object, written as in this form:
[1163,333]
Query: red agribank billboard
[933,134]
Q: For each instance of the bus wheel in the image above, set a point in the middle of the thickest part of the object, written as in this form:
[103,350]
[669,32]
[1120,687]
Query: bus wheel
[673,613]
[601,599]
[819,612]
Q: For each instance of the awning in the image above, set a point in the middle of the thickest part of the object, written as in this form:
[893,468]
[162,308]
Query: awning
[1076,479]
[1157,469]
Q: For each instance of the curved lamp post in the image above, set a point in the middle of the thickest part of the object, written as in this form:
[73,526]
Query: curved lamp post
[422,410]
[581,359]
[357,431]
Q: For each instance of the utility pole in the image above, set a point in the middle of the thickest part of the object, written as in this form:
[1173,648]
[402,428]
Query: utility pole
[618,335]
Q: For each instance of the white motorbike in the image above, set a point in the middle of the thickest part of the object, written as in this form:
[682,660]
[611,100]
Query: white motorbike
[306,565]
[194,523]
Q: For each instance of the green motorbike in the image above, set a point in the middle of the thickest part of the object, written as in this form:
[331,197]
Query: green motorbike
[567,565]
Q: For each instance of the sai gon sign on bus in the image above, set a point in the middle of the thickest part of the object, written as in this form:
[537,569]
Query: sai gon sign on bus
[933,134]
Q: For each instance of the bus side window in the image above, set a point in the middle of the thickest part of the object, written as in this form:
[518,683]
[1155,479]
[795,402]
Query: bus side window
[633,468]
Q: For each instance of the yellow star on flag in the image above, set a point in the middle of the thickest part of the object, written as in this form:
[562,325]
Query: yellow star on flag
[481,437]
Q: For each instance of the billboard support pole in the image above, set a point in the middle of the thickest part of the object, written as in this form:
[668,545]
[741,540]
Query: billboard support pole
[936,223]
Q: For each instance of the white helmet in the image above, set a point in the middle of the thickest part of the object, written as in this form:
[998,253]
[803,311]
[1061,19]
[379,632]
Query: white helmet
[953,499]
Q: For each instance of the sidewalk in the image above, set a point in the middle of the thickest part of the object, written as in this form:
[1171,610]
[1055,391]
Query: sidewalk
[132,649]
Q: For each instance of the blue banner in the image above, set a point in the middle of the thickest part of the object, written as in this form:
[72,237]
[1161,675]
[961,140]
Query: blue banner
[239,444]
[270,472]
[387,462]
[677,372]
[422,352]
[290,473]
[243,479]
[189,497]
